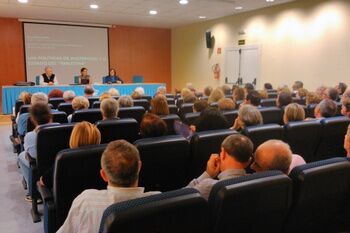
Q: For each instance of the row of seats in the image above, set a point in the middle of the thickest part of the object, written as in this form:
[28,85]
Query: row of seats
[314,198]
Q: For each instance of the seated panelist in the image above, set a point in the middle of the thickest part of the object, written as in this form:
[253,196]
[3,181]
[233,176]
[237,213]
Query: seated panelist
[84,78]
[112,77]
[48,78]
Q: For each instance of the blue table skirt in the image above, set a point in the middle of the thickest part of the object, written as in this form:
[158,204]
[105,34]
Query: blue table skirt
[10,93]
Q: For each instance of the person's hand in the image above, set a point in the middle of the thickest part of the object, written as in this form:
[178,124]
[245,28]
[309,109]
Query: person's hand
[213,166]
[41,182]
[109,82]
[193,128]
[50,83]
[119,82]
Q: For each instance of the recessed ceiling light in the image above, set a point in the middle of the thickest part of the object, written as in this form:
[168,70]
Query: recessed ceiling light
[238,8]
[270,0]
[202,17]
[153,12]
[93,6]
[22,1]
[183,2]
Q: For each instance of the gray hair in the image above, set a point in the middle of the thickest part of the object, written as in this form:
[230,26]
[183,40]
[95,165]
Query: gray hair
[161,90]
[113,92]
[39,97]
[250,115]
[120,161]
[68,95]
[109,108]
[140,90]
[328,108]
[80,102]
[125,101]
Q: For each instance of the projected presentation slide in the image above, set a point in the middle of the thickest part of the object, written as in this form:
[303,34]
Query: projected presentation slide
[66,49]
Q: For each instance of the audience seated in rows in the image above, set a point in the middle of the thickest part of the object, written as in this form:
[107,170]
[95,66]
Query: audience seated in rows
[105,95]
[332,94]
[68,96]
[216,95]
[138,93]
[301,93]
[238,94]
[21,120]
[297,85]
[159,105]
[312,98]
[200,105]
[326,108]
[347,142]
[275,155]
[189,99]
[234,157]
[226,104]
[113,92]
[109,109]
[40,113]
[248,115]
[25,97]
[341,88]
[152,126]
[283,99]
[293,112]
[120,168]
[161,90]
[211,118]
[248,87]
[345,110]
[268,86]
[88,91]
[263,94]
[55,93]
[79,103]
[125,101]
[207,91]
[226,89]
[253,98]
[83,134]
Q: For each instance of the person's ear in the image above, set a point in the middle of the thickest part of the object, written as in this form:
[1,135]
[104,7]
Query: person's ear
[140,165]
[103,175]
[223,154]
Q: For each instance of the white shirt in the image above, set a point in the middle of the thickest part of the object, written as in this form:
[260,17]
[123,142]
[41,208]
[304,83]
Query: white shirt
[55,81]
[87,209]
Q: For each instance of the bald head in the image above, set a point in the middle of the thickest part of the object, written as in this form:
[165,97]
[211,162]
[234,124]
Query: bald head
[272,155]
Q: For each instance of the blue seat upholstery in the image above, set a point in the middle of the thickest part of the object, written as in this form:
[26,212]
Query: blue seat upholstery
[165,162]
[251,204]
[18,105]
[92,99]
[172,109]
[56,101]
[179,102]
[96,104]
[135,112]
[143,103]
[310,110]
[181,210]
[271,115]
[268,102]
[332,137]
[170,101]
[146,97]
[301,101]
[24,108]
[303,138]
[69,182]
[127,129]
[231,116]
[191,117]
[203,144]
[321,196]
[261,133]
[185,108]
[90,115]
[169,120]
[65,107]
[272,95]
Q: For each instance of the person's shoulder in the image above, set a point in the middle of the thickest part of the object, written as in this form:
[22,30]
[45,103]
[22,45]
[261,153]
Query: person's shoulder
[87,195]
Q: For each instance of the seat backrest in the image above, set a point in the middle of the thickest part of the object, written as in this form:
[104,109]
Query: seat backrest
[301,101]
[252,204]
[214,104]
[191,117]
[231,116]
[339,106]
[238,103]
[272,95]
[310,110]
[18,105]
[268,102]
[96,104]
[165,162]
[185,108]
[303,138]
[332,137]
[179,102]
[135,112]
[92,99]
[146,97]
[172,109]
[51,140]
[127,129]
[271,115]
[168,95]
[75,171]
[182,210]
[24,108]
[203,144]
[169,120]
[137,79]
[261,133]
[66,107]
[321,196]
[170,101]
[55,102]
[59,117]
[90,115]
[143,103]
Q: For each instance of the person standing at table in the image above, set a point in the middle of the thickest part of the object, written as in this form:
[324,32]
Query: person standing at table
[84,78]
[113,77]
[48,78]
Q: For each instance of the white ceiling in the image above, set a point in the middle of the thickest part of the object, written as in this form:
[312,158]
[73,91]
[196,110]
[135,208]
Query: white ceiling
[129,12]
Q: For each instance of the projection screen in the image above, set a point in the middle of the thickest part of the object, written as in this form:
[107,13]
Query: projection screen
[66,49]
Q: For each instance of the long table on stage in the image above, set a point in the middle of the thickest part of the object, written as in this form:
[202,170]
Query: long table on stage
[11,93]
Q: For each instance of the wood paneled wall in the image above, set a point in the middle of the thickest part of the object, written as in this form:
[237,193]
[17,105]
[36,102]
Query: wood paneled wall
[11,52]
[141,51]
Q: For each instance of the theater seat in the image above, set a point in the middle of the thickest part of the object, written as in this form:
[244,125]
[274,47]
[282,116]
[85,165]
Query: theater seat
[181,210]
[191,118]
[321,197]
[303,138]
[143,103]
[231,116]
[65,107]
[250,204]
[169,120]
[96,104]
[135,112]
[172,109]
[75,171]
[24,108]
[170,101]
[55,102]
[332,137]
[185,108]
[268,102]
[90,115]
[310,111]
[127,129]
[146,97]
[92,99]
[18,105]
[261,133]
[57,117]
[271,115]
[165,162]
[203,144]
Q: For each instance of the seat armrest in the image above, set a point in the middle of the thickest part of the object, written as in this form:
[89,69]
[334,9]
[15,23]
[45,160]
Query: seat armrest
[45,192]
[30,159]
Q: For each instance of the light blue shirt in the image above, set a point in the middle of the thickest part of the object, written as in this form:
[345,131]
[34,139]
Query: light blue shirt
[30,143]
[22,123]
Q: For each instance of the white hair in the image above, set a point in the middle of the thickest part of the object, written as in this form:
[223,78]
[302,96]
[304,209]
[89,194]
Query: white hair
[113,92]
[68,95]
[161,89]
[140,90]
[39,97]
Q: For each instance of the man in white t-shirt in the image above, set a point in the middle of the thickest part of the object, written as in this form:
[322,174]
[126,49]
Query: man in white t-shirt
[121,165]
